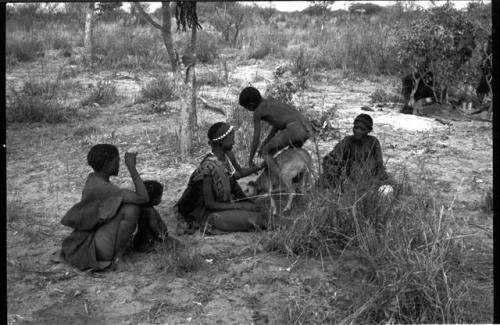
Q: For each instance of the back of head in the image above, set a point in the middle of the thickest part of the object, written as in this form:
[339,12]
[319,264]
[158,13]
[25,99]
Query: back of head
[154,188]
[249,96]
[100,154]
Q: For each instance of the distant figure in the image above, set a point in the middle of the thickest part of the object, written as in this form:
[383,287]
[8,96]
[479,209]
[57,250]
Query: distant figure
[105,218]
[356,159]
[213,197]
[424,90]
[289,128]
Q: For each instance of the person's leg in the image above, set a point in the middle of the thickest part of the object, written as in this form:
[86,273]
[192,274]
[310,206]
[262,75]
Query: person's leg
[111,238]
[237,220]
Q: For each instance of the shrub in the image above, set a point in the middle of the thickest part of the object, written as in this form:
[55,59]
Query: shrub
[410,261]
[23,49]
[103,93]
[380,96]
[119,47]
[210,78]
[265,43]
[158,89]
[37,102]
[207,47]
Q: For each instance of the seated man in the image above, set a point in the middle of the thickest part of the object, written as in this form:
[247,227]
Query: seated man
[294,129]
[150,227]
[356,159]
[105,218]
[213,197]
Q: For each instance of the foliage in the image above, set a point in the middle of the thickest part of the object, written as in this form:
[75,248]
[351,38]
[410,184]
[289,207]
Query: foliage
[229,19]
[409,260]
[441,42]
[102,94]
[24,48]
[158,89]
[38,101]
[120,47]
[365,8]
[207,47]
[380,96]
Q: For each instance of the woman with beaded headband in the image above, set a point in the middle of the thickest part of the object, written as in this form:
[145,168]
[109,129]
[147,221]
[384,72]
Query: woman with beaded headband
[213,196]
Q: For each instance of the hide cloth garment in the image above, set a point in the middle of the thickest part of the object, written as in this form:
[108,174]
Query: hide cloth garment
[357,161]
[99,204]
[191,205]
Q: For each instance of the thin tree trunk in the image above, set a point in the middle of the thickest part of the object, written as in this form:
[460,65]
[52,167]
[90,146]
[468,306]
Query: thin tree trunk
[193,121]
[166,33]
[87,40]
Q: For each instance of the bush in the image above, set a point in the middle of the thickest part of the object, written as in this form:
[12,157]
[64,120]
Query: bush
[103,93]
[410,261]
[23,49]
[127,48]
[207,47]
[380,96]
[263,44]
[158,89]
[37,102]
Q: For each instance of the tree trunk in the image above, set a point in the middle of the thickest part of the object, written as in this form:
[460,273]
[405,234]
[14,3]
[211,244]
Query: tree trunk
[87,40]
[193,117]
[166,33]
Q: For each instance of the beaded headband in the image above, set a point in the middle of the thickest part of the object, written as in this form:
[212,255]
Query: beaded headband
[224,135]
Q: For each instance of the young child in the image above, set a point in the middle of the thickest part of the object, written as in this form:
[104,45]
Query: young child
[150,227]
[289,127]
[356,158]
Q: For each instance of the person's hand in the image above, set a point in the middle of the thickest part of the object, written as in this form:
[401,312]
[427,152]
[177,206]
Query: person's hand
[130,159]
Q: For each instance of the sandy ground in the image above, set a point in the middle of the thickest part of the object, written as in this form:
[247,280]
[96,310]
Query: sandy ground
[238,282]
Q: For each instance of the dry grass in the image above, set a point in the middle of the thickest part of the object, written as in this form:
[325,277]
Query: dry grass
[409,254]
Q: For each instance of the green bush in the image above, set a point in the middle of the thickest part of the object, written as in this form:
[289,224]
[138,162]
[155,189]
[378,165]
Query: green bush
[266,43]
[103,93]
[162,88]
[37,102]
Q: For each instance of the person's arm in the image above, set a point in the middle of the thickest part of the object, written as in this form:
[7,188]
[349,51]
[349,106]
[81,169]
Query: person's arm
[140,196]
[241,171]
[256,136]
[212,204]
[379,161]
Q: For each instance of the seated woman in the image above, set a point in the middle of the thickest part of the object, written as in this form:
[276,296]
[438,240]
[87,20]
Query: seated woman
[213,197]
[356,160]
[105,218]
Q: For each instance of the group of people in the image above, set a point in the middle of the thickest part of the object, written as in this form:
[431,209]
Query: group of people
[108,217]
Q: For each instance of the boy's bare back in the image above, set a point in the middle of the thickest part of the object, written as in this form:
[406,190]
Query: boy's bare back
[277,114]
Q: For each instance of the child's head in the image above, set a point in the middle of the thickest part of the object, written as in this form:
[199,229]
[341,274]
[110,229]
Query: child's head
[363,124]
[250,98]
[104,157]
[155,192]
[221,134]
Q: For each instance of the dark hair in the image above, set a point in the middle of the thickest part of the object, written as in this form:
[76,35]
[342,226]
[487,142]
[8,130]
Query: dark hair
[100,154]
[249,95]
[154,188]
[365,119]
[217,129]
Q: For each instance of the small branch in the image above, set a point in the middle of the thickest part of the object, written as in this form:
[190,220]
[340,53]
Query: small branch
[146,15]
[211,107]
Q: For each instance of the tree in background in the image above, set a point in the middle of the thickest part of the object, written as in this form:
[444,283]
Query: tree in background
[228,18]
[322,7]
[440,43]
[365,8]
[88,34]
[165,28]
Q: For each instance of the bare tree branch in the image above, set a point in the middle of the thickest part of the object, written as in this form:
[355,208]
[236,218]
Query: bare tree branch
[146,15]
